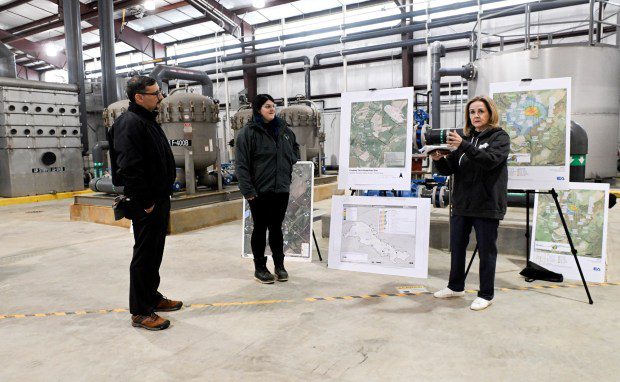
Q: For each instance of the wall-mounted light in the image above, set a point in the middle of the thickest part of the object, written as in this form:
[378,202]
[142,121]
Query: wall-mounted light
[149,5]
[258,3]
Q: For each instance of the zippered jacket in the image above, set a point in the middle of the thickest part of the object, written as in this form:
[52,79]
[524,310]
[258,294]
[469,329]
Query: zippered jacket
[142,160]
[480,174]
[264,164]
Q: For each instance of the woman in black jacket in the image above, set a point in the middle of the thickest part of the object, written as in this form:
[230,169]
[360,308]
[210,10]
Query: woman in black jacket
[266,151]
[479,179]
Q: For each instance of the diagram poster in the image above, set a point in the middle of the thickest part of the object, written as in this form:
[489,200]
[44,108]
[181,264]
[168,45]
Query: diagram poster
[536,116]
[297,225]
[376,140]
[585,208]
[380,235]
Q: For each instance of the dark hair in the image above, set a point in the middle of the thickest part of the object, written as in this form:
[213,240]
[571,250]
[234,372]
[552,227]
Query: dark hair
[137,84]
[259,101]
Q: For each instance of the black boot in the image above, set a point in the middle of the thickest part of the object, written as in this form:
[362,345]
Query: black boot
[261,273]
[281,273]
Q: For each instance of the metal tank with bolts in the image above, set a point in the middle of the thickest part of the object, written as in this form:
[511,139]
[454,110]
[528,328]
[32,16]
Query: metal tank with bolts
[304,118]
[241,117]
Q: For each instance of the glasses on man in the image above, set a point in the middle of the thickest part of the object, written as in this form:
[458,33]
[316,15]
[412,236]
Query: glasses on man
[157,93]
[269,106]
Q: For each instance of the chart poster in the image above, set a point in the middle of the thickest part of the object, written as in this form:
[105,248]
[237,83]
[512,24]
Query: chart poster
[585,210]
[380,235]
[297,225]
[376,140]
[536,116]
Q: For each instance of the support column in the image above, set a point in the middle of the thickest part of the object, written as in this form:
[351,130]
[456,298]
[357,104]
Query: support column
[108,61]
[249,75]
[407,52]
[75,61]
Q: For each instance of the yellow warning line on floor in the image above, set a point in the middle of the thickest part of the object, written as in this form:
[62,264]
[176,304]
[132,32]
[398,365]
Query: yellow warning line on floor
[41,198]
[310,299]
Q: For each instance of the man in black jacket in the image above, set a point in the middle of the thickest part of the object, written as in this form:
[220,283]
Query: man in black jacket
[143,163]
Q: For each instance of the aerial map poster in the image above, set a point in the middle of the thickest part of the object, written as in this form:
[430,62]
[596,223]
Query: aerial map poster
[297,225]
[584,207]
[536,115]
[380,235]
[376,140]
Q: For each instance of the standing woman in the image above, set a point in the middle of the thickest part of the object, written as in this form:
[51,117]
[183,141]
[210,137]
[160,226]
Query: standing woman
[480,180]
[266,151]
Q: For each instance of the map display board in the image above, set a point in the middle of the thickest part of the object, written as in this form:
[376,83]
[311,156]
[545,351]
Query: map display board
[536,116]
[585,207]
[297,225]
[376,140]
[380,235]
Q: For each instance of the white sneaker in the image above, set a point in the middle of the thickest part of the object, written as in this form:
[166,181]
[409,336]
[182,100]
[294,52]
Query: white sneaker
[480,303]
[447,293]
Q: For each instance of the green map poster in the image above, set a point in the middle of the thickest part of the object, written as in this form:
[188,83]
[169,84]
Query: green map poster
[536,116]
[584,207]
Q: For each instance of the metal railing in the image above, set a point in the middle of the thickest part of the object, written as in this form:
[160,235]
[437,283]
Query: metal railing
[592,27]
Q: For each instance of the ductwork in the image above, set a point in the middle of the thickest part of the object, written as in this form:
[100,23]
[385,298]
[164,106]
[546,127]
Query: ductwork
[7,62]
[165,72]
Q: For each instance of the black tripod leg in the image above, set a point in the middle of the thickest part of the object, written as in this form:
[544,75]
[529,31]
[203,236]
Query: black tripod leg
[570,241]
[471,261]
[318,251]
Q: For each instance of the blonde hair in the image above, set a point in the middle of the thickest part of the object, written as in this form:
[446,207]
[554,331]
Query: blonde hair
[468,129]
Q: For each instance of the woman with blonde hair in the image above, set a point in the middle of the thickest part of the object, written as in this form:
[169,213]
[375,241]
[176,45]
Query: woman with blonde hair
[479,173]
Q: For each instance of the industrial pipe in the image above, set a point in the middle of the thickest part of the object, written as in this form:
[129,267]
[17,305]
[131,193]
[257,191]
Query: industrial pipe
[442,22]
[108,59]
[29,84]
[165,72]
[104,184]
[99,157]
[7,62]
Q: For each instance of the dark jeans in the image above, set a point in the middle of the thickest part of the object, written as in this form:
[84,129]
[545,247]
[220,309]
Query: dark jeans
[486,237]
[268,212]
[149,232]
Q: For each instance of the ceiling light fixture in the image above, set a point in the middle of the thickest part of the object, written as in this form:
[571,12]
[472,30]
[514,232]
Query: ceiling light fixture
[258,3]
[51,50]
[149,5]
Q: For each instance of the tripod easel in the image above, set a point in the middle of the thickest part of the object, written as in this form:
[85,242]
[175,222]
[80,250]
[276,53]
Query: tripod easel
[530,272]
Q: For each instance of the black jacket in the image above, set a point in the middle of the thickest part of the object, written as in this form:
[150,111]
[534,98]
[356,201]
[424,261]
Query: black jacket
[265,164]
[141,157]
[480,171]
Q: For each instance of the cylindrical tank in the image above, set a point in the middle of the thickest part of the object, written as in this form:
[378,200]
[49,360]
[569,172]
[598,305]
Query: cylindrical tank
[241,117]
[304,118]
[182,114]
[595,91]
[114,111]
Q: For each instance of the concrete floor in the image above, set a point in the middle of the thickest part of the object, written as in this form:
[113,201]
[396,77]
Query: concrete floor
[271,332]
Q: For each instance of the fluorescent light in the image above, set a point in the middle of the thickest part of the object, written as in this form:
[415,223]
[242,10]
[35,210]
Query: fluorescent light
[51,50]
[258,3]
[149,5]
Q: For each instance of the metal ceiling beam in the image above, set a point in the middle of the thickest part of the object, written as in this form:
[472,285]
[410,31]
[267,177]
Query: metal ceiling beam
[13,4]
[27,73]
[268,3]
[35,50]
[219,14]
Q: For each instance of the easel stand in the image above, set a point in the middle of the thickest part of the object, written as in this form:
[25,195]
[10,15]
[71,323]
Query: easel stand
[532,271]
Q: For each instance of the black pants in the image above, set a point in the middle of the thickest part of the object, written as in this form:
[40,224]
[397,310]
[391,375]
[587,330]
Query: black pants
[149,233]
[486,237]
[268,212]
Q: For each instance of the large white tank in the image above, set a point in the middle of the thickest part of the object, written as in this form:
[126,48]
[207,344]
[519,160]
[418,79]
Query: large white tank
[595,73]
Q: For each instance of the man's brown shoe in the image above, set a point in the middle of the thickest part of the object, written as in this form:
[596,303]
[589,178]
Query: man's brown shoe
[166,305]
[152,322]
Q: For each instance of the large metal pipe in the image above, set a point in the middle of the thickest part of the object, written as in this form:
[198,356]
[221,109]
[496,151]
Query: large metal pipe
[466,71]
[304,59]
[7,62]
[75,61]
[392,45]
[104,184]
[165,72]
[29,84]
[108,61]
[441,22]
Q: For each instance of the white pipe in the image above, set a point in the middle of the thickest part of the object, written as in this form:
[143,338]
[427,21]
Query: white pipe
[342,46]
[284,85]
